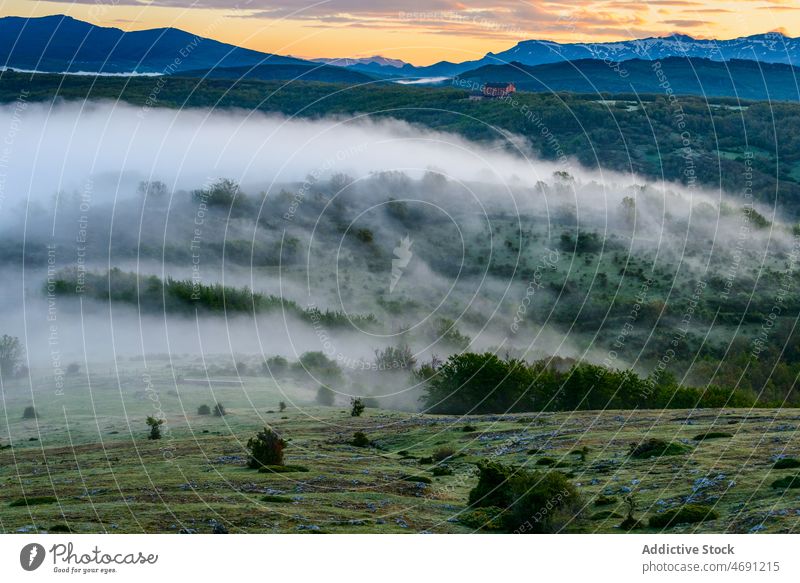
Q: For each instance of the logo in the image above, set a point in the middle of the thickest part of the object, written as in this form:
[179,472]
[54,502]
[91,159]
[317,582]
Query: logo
[402,255]
[31,556]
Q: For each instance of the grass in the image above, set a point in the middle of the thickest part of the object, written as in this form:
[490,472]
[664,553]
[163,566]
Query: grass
[130,486]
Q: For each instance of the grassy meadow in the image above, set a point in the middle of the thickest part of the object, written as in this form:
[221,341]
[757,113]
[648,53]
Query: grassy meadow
[85,463]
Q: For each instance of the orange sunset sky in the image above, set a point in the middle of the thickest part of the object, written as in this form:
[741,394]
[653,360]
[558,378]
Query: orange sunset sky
[424,31]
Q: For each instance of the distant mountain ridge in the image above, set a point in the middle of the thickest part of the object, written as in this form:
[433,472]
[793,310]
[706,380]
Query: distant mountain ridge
[765,48]
[61,43]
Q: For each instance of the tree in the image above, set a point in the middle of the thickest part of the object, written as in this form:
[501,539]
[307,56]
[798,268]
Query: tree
[10,355]
[266,449]
[282,406]
[155,427]
[153,189]
[325,396]
[204,410]
[395,358]
[29,412]
[357,407]
[73,368]
[219,410]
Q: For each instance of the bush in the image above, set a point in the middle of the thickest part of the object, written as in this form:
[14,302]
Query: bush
[686,514]
[356,407]
[155,427]
[395,358]
[443,453]
[73,368]
[281,407]
[485,518]
[442,471]
[712,435]
[657,448]
[360,439]
[33,501]
[279,469]
[787,482]
[29,412]
[204,410]
[11,353]
[325,396]
[266,449]
[276,366]
[468,429]
[219,410]
[534,502]
[276,499]
[786,464]
[605,500]
[422,479]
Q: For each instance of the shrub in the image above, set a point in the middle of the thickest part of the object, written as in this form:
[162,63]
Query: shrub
[276,499]
[630,522]
[276,366]
[605,500]
[443,453]
[356,407]
[395,358]
[280,469]
[73,368]
[657,448]
[422,479]
[787,482]
[468,429]
[29,412]
[219,410]
[535,502]
[442,471]
[686,514]
[360,439]
[603,514]
[155,427]
[33,501]
[712,435]
[485,518]
[281,407]
[204,410]
[266,449]
[426,460]
[325,396]
[786,464]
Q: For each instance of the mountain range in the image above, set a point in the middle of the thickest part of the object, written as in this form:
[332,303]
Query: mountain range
[754,67]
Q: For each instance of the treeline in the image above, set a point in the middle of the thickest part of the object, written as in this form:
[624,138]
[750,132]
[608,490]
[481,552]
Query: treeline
[185,296]
[470,383]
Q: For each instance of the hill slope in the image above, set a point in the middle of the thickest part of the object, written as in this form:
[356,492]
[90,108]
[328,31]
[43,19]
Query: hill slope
[61,43]
[736,78]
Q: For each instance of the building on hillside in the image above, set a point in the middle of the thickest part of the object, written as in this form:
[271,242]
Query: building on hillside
[497,90]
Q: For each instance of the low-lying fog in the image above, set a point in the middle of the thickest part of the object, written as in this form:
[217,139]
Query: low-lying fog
[74,192]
